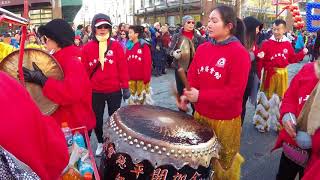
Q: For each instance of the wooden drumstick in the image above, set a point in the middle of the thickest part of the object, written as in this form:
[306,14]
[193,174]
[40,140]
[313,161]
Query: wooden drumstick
[175,93]
[183,77]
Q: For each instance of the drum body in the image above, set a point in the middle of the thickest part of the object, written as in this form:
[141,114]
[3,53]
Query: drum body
[46,63]
[149,142]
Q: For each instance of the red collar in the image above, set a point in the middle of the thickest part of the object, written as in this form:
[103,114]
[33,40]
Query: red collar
[188,34]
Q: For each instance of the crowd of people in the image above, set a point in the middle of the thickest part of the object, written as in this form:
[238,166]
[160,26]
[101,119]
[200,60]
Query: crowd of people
[104,64]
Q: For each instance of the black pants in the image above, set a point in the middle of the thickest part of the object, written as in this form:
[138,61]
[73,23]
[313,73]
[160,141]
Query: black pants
[180,87]
[244,104]
[98,105]
[288,169]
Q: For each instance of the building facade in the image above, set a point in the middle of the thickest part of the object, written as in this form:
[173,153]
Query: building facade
[172,11]
[43,11]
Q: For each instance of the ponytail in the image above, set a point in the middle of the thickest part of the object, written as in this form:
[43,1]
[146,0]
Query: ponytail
[240,31]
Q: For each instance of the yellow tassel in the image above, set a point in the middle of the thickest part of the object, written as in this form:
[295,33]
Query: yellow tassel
[140,93]
[6,49]
[103,46]
[278,83]
[233,173]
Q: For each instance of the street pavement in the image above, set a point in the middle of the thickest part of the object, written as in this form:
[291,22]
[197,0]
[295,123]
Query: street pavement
[256,147]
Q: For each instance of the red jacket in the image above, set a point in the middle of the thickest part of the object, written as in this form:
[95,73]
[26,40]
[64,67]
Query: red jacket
[277,55]
[312,172]
[165,38]
[139,62]
[33,138]
[73,93]
[295,97]
[115,73]
[221,78]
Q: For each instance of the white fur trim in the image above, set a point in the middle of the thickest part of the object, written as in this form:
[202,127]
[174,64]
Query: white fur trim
[284,39]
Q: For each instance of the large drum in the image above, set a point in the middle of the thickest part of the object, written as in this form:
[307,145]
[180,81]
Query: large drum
[149,142]
[46,63]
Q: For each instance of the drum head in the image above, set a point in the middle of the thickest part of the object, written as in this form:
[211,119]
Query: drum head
[161,124]
[46,63]
[145,142]
[162,136]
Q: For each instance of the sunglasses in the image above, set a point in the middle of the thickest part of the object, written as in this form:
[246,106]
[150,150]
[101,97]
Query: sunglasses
[103,26]
[123,34]
[190,22]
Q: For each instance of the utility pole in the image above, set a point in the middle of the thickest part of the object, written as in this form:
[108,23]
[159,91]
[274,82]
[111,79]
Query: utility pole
[277,7]
[181,10]
[238,7]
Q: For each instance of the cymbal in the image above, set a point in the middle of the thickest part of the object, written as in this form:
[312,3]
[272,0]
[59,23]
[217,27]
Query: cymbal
[46,63]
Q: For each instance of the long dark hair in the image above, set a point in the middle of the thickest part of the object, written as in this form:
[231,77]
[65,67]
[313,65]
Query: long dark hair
[240,32]
[120,25]
[229,16]
[251,24]
[138,29]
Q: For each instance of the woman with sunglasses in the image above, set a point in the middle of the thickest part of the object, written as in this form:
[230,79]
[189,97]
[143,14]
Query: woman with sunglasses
[188,31]
[218,80]
[123,39]
[73,93]
[107,68]
[139,62]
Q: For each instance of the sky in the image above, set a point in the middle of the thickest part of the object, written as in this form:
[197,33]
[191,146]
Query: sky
[92,7]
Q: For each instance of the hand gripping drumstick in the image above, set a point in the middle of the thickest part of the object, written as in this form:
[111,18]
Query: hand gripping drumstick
[183,77]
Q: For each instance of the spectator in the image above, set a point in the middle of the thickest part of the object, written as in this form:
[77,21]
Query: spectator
[77,41]
[316,47]
[78,32]
[86,34]
[126,28]
[165,40]
[123,39]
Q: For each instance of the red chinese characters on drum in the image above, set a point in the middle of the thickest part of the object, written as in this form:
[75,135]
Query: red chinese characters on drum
[119,177]
[138,169]
[121,161]
[159,174]
[179,176]
[110,150]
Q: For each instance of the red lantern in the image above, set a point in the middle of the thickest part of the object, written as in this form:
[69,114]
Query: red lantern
[295,13]
[297,18]
[301,23]
[291,8]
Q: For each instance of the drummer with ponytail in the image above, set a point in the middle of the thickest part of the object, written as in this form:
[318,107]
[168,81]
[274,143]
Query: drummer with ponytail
[218,76]
[138,57]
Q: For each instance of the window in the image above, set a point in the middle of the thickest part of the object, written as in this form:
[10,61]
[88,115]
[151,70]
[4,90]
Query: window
[40,16]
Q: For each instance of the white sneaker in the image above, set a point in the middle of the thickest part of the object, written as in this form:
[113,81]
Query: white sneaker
[99,149]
